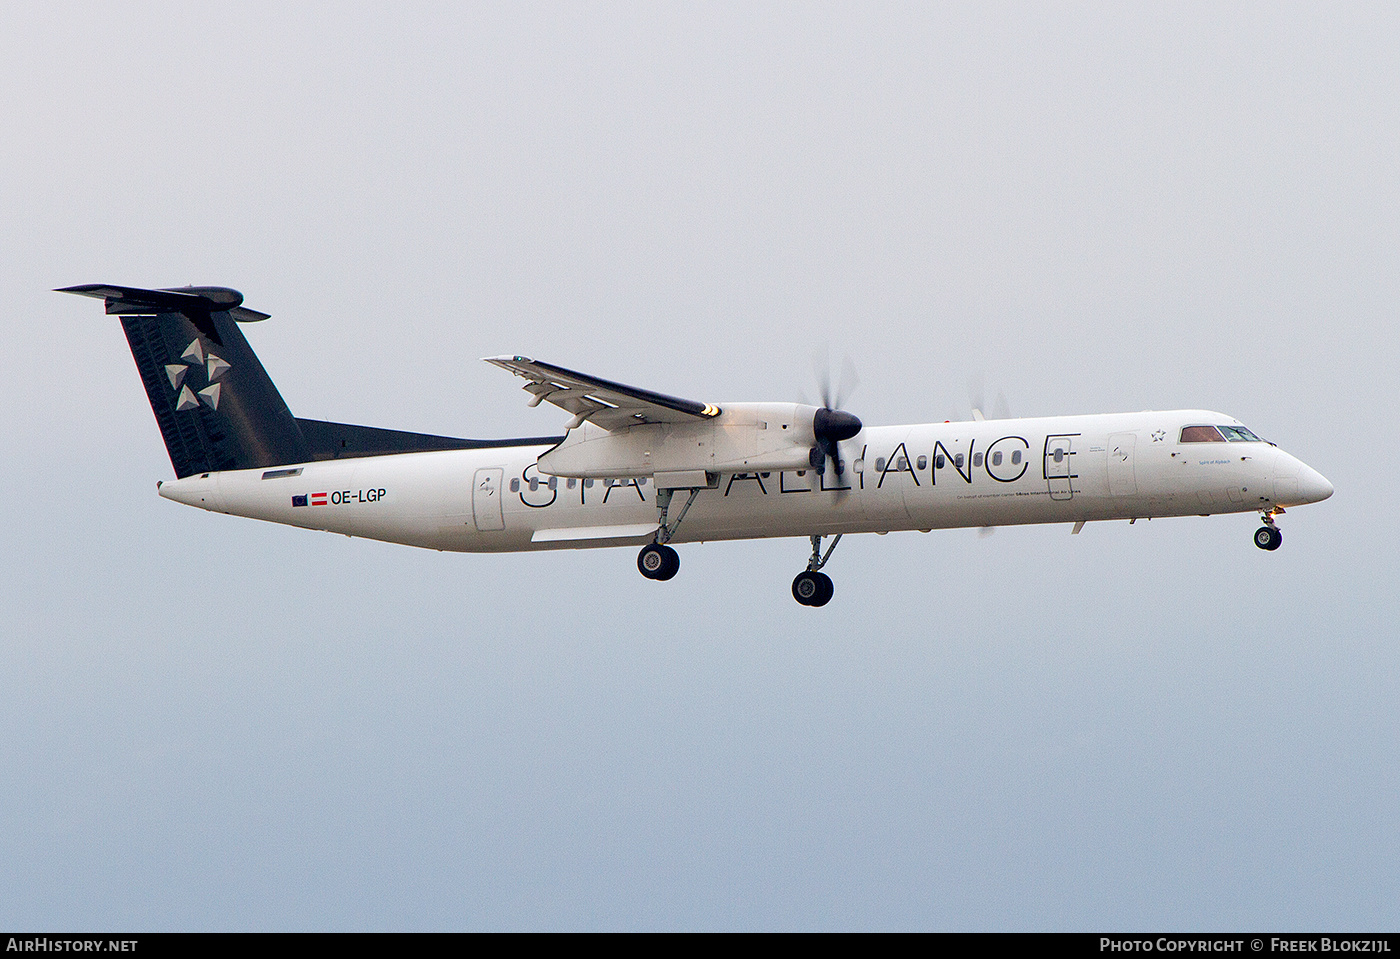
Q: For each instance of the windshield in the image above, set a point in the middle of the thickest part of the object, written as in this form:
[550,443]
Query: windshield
[1238,434]
[1217,434]
[1201,434]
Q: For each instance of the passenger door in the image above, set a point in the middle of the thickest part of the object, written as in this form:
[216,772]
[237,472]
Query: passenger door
[1059,466]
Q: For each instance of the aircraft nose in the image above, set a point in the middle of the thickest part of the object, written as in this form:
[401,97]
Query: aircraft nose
[1312,485]
[1296,483]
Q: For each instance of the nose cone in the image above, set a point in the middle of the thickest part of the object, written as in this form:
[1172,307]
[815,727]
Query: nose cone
[1313,487]
[1296,483]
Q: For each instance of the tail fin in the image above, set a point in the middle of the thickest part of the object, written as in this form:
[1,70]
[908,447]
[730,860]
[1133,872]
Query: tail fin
[215,405]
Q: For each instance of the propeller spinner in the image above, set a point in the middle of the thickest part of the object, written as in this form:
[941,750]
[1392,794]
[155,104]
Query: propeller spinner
[831,427]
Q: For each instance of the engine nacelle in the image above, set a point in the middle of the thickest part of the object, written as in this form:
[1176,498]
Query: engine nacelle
[744,438]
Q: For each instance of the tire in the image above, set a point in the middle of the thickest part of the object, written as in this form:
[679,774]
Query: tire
[812,589]
[673,564]
[1268,537]
[658,562]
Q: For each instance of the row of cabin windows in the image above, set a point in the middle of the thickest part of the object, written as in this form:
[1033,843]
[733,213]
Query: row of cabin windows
[1189,434]
[552,483]
[901,464]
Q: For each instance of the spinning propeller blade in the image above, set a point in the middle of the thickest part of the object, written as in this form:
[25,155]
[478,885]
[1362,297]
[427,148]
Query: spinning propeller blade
[831,424]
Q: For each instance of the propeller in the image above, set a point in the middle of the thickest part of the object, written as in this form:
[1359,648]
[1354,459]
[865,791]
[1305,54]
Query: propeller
[831,424]
[976,394]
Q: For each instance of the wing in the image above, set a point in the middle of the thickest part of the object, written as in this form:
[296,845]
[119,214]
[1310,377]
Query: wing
[602,402]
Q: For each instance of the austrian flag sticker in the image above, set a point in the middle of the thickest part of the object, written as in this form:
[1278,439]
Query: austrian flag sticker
[317,499]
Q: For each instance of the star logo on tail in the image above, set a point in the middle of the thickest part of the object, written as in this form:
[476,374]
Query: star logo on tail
[196,357]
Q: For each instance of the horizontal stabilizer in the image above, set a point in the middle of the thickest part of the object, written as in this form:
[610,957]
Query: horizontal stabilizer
[191,301]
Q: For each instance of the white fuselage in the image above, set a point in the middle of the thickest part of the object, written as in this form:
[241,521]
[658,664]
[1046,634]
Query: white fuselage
[928,476]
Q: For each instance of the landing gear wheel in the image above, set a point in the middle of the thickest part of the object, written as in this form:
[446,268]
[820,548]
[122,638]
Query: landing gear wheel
[812,589]
[658,562]
[1268,537]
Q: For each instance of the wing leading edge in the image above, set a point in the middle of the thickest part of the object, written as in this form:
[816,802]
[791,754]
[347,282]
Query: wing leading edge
[606,404]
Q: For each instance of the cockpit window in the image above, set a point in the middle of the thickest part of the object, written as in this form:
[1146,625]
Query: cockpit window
[1201,434]
[1238,434]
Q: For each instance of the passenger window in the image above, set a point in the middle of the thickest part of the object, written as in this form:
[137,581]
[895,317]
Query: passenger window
[1015,457]
[880,464]
[553,482]
[940,461]
[923,462]
[534,483]
[588,484]
[958,460]
[571,483]
[996,458]
[976,459]
[902,464]
[1059,456]
[515,486]
[1201,434]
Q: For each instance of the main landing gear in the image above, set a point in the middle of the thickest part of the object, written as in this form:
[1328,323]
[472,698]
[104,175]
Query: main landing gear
[1269,536]
[657,560]
[812,587]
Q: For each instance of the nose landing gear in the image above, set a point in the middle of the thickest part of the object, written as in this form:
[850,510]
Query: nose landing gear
[1269,536]
[813,587]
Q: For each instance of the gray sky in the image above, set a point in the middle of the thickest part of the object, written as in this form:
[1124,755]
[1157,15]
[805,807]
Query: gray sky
[212,723]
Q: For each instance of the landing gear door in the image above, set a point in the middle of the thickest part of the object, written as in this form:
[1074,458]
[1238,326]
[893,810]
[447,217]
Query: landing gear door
[1059,466]
[486,499]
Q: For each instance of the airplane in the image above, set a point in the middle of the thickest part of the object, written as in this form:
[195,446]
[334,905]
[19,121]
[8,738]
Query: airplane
[635,467]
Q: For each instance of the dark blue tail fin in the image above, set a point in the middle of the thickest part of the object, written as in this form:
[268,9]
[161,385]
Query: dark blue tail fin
[215,404]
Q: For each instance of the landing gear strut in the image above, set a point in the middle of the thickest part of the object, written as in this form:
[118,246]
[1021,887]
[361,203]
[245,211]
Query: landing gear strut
[657,560]
[812,587]
[1269,536]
